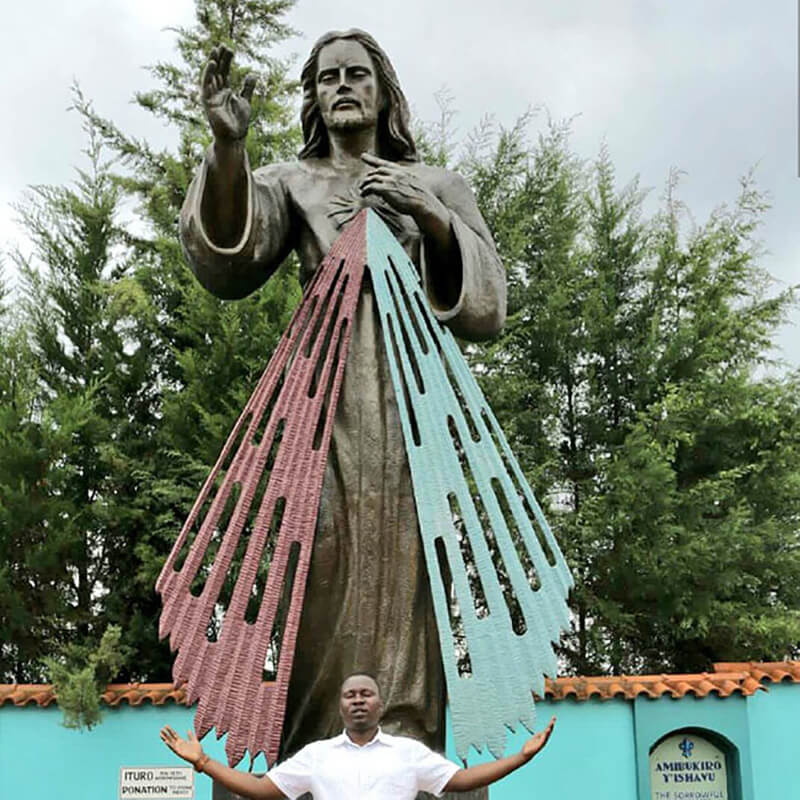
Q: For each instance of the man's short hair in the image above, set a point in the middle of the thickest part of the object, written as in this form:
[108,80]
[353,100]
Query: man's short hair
[361,673]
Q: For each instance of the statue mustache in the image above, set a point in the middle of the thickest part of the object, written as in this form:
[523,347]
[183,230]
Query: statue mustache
[342,100]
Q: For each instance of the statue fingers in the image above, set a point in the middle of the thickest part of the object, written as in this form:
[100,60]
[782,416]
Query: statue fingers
[385,178]
[397,200]
[395,189]
[249,87]
[382,172]
[225,58]
[207,87]
[219,80]
[409,194]
[374,186]
[375,161]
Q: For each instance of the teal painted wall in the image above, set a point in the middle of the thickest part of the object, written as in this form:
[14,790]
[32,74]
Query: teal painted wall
[774,720]
[40,759]
[599,749]
[590,755]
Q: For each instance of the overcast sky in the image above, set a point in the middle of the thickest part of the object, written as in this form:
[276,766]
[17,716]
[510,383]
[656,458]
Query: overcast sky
[707,86]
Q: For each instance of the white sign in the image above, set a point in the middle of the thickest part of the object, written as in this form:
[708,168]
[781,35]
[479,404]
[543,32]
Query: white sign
[688,767]
[156,783]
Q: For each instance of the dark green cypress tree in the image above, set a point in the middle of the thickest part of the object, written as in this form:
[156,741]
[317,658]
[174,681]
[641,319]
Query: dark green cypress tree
[138,374]
[79,407]
[32,573]
[208,353]
[630,380]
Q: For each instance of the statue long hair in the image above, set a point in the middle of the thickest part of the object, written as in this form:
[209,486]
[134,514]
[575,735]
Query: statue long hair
[395,141]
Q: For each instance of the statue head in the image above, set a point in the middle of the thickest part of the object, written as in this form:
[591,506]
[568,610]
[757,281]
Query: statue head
[395,141]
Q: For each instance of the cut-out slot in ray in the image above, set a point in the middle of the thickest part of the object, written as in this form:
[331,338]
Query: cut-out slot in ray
[401,388]
[515,613]
[226,593]
[233,447]
[522,492]
[408,347]
[323,312]
[270,671]
[210,554]
[412,314]
[326,339]
[464,664]
[195,522]
[257,592]
[260,423]
[325,409]
[519,543]
[473,576]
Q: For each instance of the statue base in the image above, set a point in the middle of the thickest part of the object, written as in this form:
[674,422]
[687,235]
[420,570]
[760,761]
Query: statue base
[219,792]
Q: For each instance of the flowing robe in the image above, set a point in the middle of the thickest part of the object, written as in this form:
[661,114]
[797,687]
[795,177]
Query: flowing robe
[367,604]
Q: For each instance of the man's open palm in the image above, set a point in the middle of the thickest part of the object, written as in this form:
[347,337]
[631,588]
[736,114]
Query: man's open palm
[538,740]
[188,749]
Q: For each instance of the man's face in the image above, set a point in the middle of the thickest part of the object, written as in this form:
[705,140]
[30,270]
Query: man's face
[348,89]
[360,703]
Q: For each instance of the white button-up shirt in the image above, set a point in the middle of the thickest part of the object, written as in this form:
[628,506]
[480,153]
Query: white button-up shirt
[386,768]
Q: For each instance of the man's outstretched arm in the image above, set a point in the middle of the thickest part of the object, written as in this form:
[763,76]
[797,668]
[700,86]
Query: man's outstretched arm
[483,774]
[241,783]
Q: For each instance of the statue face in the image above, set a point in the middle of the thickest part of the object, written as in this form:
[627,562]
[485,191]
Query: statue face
[348,89]
[360,703]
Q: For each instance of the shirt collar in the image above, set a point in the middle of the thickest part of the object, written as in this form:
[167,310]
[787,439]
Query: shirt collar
[343,740]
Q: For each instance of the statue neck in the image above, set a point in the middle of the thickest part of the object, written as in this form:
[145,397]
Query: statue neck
[348,145]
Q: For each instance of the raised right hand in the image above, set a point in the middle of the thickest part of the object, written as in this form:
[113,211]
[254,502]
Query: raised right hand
[228,113]
[188,749]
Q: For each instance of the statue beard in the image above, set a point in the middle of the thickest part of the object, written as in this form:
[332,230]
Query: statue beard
[340,125]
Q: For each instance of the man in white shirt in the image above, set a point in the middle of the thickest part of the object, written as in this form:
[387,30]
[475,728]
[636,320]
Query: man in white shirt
[361,763]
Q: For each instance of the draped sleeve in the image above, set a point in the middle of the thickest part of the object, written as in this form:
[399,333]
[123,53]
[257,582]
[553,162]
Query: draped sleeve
[479,309]
[267,233]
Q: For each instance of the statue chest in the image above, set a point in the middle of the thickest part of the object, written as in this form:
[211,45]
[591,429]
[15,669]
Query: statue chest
[325,205]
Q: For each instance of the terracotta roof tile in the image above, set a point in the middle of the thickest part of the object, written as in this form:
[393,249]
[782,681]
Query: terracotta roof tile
[137,693]
[615,689]
[775,671]
[21,694]
[680,688]
[728,678]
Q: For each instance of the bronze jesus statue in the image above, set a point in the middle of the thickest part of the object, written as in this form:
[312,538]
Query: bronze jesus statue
[368,604]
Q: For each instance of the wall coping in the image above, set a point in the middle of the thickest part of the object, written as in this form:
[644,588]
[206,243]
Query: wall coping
[728,678]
